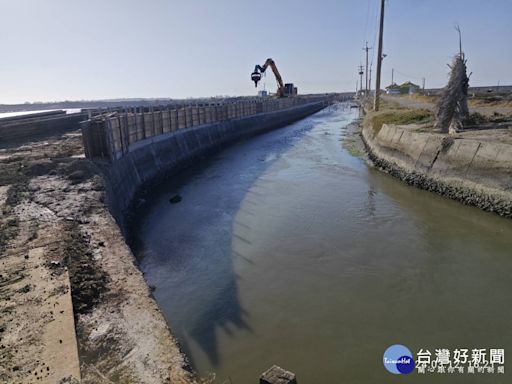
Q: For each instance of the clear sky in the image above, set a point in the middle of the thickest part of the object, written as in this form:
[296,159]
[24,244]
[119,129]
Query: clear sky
[98,49]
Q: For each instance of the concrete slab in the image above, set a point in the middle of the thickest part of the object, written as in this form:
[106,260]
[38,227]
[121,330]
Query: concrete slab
[60,359]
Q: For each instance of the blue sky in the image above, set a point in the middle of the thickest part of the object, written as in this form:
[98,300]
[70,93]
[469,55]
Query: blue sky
[92,49]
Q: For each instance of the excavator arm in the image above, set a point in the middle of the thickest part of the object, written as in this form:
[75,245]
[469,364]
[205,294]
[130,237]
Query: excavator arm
[259,70]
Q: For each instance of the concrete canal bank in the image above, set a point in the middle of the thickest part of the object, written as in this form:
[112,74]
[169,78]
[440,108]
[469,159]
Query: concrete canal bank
[76,307]
[277,236]
[244,214]
[135,150]
[473,167]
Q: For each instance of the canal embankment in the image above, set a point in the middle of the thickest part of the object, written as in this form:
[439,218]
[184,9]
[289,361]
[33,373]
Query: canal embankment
[134,149]
[75,306]
[23,129]
[472,166]
[66,266]
[275,237]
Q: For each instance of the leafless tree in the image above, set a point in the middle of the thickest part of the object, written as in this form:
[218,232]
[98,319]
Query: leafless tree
[452,109]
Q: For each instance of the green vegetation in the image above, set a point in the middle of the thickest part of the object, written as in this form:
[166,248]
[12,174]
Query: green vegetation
[352,141]
[353,148]
[400,117]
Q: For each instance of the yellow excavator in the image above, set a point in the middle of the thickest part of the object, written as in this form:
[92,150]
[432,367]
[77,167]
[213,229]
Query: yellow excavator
[282,89]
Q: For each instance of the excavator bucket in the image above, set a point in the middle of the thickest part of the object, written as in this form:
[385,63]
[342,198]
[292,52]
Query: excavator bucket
[255,76]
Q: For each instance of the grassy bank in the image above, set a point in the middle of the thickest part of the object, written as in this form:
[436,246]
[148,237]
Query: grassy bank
[393,113]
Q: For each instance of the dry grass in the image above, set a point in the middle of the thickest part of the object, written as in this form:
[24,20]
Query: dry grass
[432,99]
[399,116]
[493,100]
[385,104]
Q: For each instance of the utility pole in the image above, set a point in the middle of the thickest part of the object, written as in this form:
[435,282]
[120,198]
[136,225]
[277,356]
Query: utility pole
[366,48]
[370,81]
[361,73]
[423,84]
[392,76]
[379,58]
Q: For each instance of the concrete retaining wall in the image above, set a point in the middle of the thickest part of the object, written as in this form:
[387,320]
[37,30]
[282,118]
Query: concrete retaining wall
[111,135]
[475,171]
[144,160]
[28,128]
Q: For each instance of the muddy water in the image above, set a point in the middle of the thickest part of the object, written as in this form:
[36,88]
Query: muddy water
[288,250]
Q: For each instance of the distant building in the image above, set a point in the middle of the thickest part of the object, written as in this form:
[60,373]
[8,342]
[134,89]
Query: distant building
[410,87]
[402,89]
[262,93]
[393,89]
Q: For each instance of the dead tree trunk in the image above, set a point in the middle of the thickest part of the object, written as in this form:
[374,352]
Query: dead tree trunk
[452,109]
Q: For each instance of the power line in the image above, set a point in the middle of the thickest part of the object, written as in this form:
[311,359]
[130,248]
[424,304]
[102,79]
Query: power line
[376,32]
[367,17]
[361,78]
[408,76]
[379,57]
[370,25]
[366,49]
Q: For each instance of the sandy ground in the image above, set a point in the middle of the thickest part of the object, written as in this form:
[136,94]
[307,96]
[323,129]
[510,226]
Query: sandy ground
[75,307]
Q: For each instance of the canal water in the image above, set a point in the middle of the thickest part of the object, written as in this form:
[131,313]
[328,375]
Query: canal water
[21,113]
[288,250]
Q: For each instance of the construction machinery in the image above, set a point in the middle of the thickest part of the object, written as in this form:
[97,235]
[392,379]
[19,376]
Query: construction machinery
[282,89]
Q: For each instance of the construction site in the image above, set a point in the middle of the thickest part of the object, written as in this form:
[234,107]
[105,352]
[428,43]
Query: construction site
[285,228]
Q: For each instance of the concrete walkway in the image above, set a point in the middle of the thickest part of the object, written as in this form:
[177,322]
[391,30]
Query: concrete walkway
[37,334]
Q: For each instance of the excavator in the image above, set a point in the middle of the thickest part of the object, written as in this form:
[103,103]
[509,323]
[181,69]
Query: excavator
[282,89]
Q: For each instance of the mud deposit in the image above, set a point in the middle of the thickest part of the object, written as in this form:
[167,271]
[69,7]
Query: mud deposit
[74,307]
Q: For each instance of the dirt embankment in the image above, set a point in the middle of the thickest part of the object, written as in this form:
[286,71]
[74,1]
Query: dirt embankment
[65,267]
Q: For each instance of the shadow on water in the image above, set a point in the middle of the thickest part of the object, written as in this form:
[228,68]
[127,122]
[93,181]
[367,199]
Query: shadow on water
[186,250]
[288,250]
[223,312]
